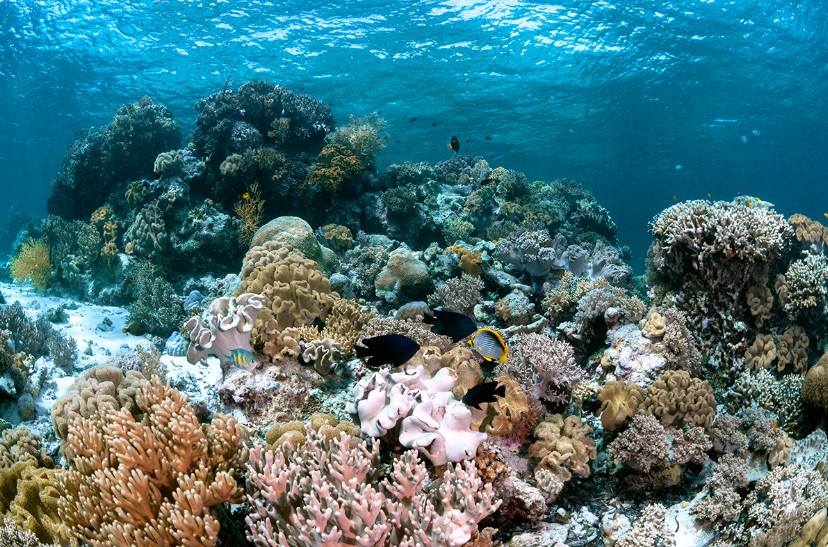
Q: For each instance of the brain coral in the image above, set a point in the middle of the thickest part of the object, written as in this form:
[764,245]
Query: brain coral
[295,291]
[677,399]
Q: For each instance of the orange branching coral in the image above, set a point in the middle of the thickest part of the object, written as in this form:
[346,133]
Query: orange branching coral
[334,165]
[32,262]
[151,482]
[250,210]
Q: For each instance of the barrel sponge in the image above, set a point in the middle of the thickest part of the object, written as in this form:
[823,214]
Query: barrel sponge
[98,389]
[815,386]
[296,292]
[619,401]
[677,399]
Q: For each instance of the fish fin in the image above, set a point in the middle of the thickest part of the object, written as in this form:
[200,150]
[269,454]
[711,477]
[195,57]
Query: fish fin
[429,319]
[362,351]
[500,390]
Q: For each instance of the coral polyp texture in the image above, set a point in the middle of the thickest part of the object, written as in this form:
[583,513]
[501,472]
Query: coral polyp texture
[264,334]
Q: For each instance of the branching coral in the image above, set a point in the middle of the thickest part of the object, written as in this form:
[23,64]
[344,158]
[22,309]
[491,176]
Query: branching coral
[249,210]
[150,482]
[458,294]
[544,366]
[332,491]
[364,136]
[805,285]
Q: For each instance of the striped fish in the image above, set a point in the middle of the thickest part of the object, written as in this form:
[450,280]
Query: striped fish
[490,345]
[240,358]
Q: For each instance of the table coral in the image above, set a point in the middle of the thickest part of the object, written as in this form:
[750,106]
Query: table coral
[150,482]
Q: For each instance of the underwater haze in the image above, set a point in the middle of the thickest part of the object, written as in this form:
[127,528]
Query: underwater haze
[643,102]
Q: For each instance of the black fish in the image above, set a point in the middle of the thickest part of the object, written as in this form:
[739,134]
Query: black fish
[388,349]
[434,124]
[414,119]
[488,137]
[487,392]
[450,323]
[455,144]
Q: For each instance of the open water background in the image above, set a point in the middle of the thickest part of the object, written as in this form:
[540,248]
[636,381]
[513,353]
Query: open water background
[639,100]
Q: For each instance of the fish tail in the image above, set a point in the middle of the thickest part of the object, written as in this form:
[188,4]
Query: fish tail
[361,351]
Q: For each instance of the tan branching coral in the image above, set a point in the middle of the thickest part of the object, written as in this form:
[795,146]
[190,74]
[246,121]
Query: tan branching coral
[793,349]
[762,353]
[677,399]
[335,165]
[760,301]
[151,482]
[805,284]
[296,292]
[95,391]
[619,401]
[563,447]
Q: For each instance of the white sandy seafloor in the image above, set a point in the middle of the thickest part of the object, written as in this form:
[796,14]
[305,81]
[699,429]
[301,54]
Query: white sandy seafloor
[97,344]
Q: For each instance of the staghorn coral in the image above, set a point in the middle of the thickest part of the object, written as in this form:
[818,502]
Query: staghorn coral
[677,399]
[643,445]
[650,530]
[545,366]
[779,396]
[762,353]
[364,136]
[619,401]
[150,482]
[805,285]
[295,292]
[93,393]
[333,491]
[32,263]
[563,447]
[793,349]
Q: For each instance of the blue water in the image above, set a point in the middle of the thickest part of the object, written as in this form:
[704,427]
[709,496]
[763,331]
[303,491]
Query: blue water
[638,100]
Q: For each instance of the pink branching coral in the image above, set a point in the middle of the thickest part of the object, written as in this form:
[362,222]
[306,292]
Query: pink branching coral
[333,492]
